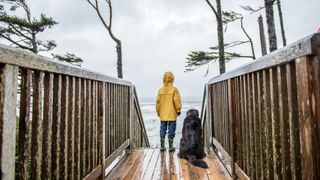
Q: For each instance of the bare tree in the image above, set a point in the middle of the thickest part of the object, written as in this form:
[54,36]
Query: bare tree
[231,16]
[270,24]
[108,25]
[284,41]
[218,13]
[262,36]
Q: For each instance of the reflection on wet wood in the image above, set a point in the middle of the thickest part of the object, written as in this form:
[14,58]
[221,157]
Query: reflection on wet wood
[152,164]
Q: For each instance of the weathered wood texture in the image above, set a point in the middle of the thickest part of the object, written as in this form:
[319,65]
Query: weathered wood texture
[70,123]
[265,115]
[150,164]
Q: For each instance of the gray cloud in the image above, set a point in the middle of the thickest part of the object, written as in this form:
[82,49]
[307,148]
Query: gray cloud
[158,35]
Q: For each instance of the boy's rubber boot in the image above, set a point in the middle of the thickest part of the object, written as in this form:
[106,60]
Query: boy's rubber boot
[162,147]
[171,148]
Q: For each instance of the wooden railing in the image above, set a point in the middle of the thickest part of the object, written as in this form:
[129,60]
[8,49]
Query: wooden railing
[264,118]
[59,121]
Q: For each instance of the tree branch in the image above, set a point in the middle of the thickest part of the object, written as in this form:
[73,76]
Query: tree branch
[245,32]
[13,42]
[110,13]
[212,8]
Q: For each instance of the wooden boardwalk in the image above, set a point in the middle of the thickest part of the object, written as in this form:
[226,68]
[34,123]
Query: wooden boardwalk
[149,163]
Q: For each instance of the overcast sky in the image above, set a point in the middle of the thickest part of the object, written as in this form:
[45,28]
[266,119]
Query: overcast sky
[157,35]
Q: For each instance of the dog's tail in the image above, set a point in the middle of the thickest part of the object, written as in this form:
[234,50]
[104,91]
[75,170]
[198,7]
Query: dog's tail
[197,162]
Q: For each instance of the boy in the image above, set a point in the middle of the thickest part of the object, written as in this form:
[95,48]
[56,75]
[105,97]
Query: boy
[168,107]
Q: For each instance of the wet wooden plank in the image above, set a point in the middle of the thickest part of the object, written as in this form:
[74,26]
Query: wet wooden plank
[47,128]
[144,165]
[8,99]
[125,165]
[240,174]
[24,120]
[174,165]
[157,173]
[129,174]
[56,124]
[216,169]
[64,127]
[152,165]
[184,169]
[71,117]
[77,121]
[36,138]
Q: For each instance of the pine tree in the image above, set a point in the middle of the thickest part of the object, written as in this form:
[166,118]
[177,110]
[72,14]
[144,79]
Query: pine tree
[22,31]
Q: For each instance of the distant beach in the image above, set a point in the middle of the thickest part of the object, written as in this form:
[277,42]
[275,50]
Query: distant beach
[152,122]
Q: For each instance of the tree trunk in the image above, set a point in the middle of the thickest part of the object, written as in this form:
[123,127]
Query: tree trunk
[284,41]
[270,25]
[220,38]
[34,44]
[119,59]
[262,37]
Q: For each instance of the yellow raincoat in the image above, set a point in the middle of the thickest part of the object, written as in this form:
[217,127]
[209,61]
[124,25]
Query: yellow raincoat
[168,100]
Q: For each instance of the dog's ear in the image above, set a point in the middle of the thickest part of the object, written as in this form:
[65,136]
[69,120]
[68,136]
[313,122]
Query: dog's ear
[197,112]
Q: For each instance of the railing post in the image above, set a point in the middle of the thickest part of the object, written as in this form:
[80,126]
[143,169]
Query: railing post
[231,104]
[8,100]
[208,131]
[102,125]
[132,120]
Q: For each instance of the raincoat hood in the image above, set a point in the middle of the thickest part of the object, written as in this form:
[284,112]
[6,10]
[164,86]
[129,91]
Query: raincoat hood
[168,79]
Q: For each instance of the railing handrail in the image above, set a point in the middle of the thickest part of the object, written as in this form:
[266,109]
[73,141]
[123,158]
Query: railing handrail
[140,117]
[25,59]
[263,115]
[298,49]
[85,115]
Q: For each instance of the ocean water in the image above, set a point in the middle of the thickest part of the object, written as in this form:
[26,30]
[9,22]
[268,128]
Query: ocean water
[152,121]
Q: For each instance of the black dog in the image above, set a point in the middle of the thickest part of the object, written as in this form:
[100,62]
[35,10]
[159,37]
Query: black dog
[191,143]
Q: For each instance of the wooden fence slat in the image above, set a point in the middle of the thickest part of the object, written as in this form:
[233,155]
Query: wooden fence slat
[71,119]
[293,121]
[83,128]
[284,123]
[64,127]
[107,94]
[77,123]
[243,140]
[23,150]
[268,123]
[316,104]
[307,118]
[255,127]
[56,124]
[8,99]
[101,125]
[275,123]
[47,129]
[89,123]
[36,153]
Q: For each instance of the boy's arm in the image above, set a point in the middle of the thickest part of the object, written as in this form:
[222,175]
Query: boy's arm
[177,101]
[158,103]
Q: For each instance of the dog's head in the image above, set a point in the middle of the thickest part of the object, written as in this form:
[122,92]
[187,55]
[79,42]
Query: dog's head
[193,113]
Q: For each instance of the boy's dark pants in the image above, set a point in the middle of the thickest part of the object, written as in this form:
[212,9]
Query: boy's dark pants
[172,129]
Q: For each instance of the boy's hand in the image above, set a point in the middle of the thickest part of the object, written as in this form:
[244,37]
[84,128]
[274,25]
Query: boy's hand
[178,113]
